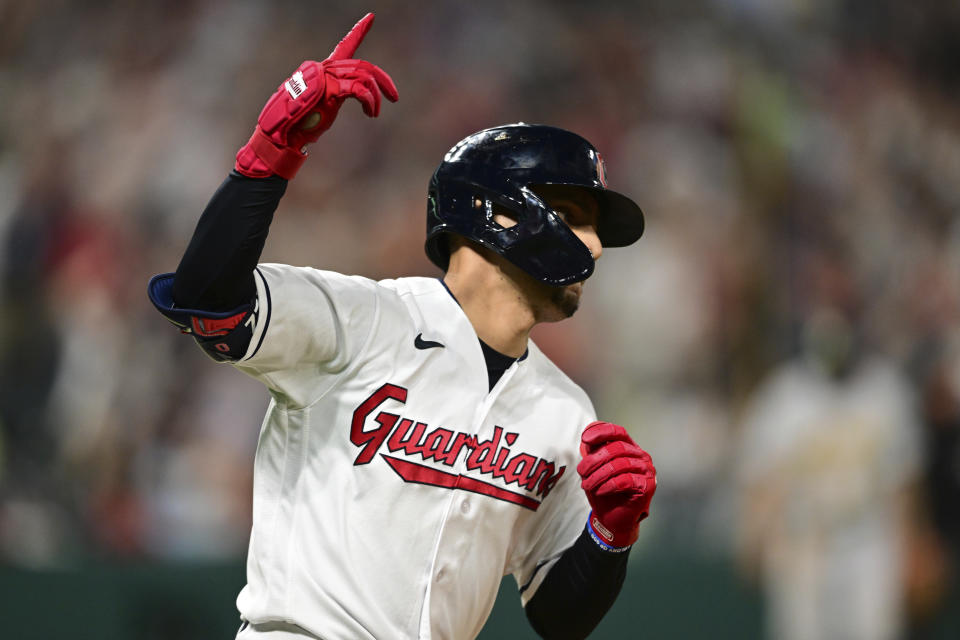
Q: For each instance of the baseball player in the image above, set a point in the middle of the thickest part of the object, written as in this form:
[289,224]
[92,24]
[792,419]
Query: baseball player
[418,446]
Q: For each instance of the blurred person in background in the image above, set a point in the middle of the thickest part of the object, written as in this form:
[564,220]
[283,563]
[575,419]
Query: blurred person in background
[829,462]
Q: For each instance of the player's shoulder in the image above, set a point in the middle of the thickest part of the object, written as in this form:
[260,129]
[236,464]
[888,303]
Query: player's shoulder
[882,371]
[412,286]
[421,298]
[398,299]
[790,378]
[883,384]
[555,381]
[279,272]
[340,282]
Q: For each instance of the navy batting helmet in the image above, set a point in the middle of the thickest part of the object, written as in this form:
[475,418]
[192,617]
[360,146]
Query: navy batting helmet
[504,166]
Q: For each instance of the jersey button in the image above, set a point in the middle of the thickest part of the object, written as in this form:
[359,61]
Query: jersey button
[440,575]
[465,506]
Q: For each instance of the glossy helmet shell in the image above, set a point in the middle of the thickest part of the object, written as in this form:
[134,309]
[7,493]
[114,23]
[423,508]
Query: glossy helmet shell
[504,166]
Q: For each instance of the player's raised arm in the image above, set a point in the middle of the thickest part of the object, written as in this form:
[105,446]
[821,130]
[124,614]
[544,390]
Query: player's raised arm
[212,293]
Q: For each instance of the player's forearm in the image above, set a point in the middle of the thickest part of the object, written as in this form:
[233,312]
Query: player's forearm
[578,591]
[216,272]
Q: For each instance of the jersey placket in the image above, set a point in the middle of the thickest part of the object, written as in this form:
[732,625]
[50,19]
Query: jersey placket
[460,506]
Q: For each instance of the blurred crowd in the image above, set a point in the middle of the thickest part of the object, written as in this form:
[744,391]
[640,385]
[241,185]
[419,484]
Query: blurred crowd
[785,339]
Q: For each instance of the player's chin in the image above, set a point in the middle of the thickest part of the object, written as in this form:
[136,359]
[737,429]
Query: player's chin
[566,300]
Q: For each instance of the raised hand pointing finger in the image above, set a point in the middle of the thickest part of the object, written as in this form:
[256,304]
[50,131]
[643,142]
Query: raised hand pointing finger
[306,104]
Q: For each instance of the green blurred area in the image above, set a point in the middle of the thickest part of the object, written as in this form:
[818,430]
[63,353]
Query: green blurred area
[122,602]
[167,602]
[665,596]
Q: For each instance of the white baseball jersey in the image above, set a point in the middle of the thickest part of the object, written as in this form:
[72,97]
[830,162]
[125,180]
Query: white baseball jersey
[392,488]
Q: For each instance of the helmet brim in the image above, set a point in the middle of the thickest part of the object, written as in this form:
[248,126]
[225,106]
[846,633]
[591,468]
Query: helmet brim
[621,221]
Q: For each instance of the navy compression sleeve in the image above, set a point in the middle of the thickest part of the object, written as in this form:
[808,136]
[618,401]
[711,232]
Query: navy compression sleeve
[577,592]
[216,272]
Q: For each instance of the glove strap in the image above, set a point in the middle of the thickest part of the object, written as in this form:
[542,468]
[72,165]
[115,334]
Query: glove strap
[283,161]
[603,536]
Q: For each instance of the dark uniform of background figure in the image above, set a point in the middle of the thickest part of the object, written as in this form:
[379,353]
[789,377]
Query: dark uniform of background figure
[934,567]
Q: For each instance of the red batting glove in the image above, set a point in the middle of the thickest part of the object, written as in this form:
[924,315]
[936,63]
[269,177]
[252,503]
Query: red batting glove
[305,105]
[619,479]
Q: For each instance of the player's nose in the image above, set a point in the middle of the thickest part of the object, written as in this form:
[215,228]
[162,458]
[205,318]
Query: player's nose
[588,235]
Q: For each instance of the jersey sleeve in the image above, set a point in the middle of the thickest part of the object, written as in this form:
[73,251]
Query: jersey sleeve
[309,325]
[303,326]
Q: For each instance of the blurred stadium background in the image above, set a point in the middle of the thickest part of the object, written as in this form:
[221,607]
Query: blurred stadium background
[785,339]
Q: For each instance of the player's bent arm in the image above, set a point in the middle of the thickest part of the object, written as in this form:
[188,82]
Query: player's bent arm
[578,591]
[619,480]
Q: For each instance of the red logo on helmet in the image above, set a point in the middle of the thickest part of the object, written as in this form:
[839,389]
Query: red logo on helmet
[601,170]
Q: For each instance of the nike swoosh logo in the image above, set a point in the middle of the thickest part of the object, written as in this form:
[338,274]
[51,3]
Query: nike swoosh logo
[420,343]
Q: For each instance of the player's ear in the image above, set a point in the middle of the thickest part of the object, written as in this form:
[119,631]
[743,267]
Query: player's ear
[458,245]
[454,242]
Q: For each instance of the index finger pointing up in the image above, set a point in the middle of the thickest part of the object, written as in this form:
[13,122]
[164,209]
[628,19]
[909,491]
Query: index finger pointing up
[348,46]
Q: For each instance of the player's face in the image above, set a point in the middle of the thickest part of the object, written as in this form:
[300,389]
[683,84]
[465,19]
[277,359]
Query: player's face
[579,211]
